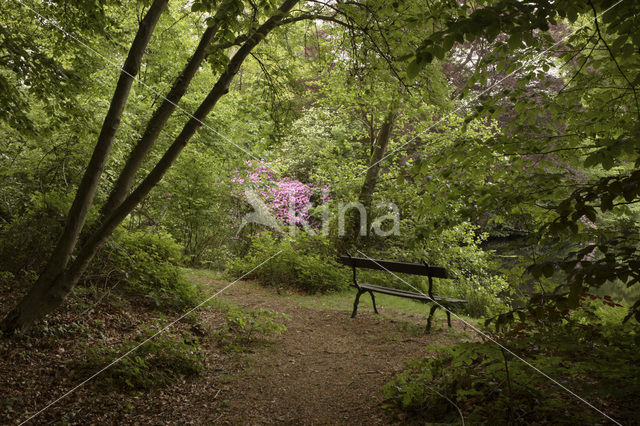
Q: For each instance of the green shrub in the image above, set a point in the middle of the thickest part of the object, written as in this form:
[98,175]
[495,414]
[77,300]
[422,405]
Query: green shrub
[27,241]
[472,269]
[489,385]
[303,261]
[146,264]
[252,322]
[469,376]
[143,263]
[158,362]
[243,326]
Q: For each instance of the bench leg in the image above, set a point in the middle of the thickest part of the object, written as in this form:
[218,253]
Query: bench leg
[449,318]
[373,299]
[355,304]
[431,312]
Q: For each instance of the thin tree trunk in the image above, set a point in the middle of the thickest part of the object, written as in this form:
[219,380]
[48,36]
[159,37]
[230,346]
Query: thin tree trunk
[27,311]
[153,178]
[45,299]
[379,150]
[156,123]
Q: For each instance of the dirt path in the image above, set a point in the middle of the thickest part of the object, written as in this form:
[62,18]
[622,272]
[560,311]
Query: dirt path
[325,369]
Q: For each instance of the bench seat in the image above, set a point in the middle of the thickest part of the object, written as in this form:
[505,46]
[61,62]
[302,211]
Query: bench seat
[403,267]
[407,294]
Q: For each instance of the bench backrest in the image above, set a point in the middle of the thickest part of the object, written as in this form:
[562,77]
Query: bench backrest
[402,267]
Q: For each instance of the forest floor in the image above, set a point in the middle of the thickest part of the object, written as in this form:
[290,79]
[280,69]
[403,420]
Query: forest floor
[325,368]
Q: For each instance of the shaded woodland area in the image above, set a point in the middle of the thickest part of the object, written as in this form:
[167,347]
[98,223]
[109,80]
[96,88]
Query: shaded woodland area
[178,179]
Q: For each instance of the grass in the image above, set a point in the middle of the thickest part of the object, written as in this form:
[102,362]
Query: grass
[389,306]
[207,274]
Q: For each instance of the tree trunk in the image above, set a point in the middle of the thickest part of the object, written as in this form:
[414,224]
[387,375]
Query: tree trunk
[156,123]
[379,149]
[43,299]
[89,183]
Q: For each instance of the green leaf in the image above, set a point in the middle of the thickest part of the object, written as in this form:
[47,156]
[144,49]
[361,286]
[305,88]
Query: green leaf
[438,51]
[515,41]
[607,162]
[629,192]
[448,42]
[536,271]
[606,202]
[547,269]
[413,69]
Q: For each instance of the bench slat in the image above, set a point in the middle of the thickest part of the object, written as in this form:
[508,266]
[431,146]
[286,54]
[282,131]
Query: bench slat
[402,267]
[407,294]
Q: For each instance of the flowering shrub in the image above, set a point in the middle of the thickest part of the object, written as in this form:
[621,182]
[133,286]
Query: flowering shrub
[288,199]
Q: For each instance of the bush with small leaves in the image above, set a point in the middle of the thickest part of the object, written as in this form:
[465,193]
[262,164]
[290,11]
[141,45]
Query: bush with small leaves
[302,261]
[147,264]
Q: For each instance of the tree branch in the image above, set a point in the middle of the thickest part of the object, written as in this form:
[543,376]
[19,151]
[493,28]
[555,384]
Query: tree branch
[631,86]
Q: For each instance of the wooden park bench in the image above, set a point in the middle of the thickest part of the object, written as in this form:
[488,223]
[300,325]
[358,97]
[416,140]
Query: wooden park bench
[402,267]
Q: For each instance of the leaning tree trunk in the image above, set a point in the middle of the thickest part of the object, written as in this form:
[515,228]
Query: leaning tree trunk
[159,118]
[379,149]
[46,298]
[36,303]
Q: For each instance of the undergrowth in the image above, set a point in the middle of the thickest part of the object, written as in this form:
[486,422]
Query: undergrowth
[597,360]
[158,362]
[170,356]
[147,265]
[304,262]
[243,327]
